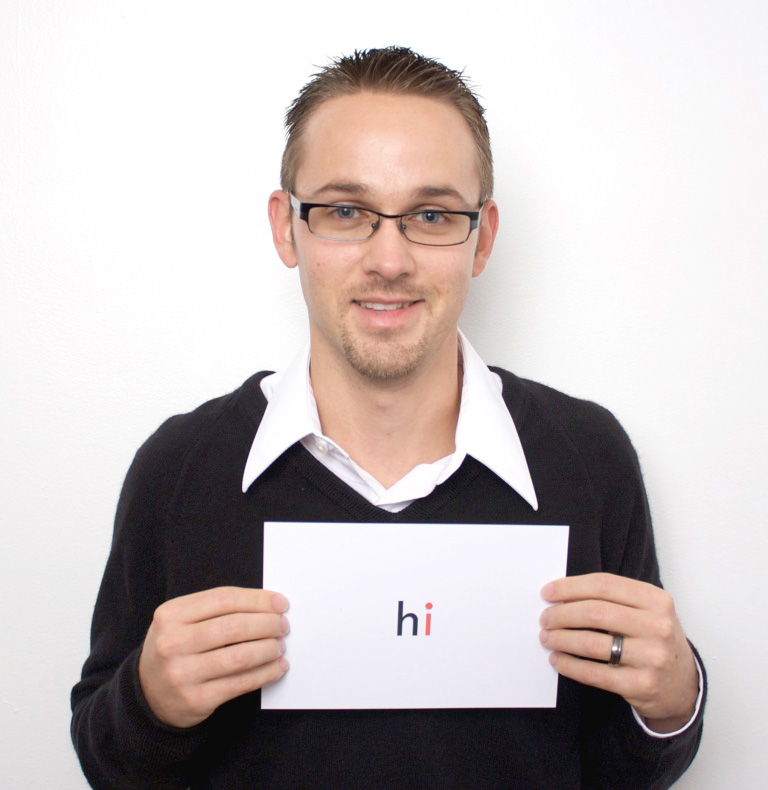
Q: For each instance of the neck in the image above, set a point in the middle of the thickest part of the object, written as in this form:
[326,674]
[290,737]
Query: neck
[390,426]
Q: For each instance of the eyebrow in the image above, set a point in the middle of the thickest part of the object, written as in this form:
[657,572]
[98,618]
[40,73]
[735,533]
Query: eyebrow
[439,191]
[361,190]
[348,188]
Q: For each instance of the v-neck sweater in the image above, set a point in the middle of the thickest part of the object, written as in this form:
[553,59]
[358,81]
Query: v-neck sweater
[183,525]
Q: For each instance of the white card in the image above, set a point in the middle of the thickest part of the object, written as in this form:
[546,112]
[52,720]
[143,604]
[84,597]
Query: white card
[363,633]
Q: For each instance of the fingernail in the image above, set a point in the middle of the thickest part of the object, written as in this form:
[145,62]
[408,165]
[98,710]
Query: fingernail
[284,665]
[553,659]
[543,636]
[548,590]
[281,645]
[544,618]
[285,626]
[279,602]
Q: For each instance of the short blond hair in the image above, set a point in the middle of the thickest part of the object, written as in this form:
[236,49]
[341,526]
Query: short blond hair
[395,70]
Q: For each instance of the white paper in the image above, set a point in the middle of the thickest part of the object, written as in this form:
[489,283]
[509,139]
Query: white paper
[345,581]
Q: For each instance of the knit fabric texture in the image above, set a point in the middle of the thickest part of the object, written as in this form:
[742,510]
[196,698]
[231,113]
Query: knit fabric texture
[183,524]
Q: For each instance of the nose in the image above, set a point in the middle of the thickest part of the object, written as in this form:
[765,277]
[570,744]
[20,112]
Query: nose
[388,253]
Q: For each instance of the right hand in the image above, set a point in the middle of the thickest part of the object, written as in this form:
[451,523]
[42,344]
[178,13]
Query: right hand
[206,648]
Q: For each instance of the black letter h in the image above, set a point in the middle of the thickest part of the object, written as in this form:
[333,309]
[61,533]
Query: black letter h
[401,617]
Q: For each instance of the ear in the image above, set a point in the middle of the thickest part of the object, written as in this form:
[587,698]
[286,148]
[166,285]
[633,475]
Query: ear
[489,224]
[280,216]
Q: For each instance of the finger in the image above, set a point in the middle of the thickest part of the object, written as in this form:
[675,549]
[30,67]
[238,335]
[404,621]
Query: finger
[587,644]
[606,587]
[601,615]
[198,701]
[230,629]
[237,659]
[219,601]
[620,679]
[219,690]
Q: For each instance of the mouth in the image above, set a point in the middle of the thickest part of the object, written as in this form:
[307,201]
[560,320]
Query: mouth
[384,306]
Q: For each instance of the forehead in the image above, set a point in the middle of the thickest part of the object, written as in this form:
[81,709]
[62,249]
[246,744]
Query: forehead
[389,147]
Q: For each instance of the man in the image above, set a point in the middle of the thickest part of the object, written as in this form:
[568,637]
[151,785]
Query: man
[386,212]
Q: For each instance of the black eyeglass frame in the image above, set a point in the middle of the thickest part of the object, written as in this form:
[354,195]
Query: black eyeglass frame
[302,209]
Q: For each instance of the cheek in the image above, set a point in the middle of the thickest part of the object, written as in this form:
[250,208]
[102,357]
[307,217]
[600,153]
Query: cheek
[456,291]
[322,286]
[458,277]
[312,286]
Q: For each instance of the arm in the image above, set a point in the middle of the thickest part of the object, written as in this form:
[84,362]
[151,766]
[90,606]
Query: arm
[207,648]
[657,673]
[621,593]
[141,725]
[124,723]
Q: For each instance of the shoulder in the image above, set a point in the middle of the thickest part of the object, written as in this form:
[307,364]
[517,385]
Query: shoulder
[228,421]
[526,399]
[581,457]
[545,416]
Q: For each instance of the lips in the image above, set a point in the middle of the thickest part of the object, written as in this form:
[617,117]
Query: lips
[384,305]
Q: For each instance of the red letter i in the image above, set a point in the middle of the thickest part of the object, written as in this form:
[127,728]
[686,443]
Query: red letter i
[428,627]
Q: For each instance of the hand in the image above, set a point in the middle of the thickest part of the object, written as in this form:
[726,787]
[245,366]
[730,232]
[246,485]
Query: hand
[209,647]
[657,674]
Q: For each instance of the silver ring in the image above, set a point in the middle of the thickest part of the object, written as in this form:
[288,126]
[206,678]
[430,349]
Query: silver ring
[616,648]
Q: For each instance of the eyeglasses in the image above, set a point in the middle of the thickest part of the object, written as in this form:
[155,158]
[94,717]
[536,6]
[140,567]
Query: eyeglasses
[340,222]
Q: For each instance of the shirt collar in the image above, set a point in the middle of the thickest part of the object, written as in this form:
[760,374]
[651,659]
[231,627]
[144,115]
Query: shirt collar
[485,429]
[291,414]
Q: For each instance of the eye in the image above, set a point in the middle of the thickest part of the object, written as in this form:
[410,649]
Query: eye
[345,212]
[430,217]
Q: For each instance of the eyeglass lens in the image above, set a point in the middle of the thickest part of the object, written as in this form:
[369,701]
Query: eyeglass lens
[348,223]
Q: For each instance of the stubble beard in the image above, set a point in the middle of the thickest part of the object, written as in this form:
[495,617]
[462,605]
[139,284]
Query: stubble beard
[383,359]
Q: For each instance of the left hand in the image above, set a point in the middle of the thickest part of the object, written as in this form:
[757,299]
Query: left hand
[657,674]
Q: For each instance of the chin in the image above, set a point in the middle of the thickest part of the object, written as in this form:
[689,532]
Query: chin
[384,361]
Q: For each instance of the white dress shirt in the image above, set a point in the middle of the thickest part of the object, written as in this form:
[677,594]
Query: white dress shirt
[485,430]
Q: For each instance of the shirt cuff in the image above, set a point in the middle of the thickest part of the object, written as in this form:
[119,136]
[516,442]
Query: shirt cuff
[641,721]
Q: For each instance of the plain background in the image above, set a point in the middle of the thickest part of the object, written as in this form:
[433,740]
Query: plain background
[138,143]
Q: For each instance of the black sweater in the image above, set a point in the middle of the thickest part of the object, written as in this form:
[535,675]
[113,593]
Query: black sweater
[183,525]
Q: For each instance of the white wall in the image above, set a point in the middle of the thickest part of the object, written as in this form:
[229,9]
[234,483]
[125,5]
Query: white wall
[138,142]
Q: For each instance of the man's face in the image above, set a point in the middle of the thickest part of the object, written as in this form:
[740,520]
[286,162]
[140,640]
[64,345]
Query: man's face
[385,307]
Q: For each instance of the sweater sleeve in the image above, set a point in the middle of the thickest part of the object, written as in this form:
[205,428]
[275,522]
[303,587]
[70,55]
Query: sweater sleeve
[618,752]
[119,741]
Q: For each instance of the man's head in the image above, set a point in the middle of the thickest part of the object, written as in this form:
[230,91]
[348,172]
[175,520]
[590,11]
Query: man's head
[384,304]
[393,70]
